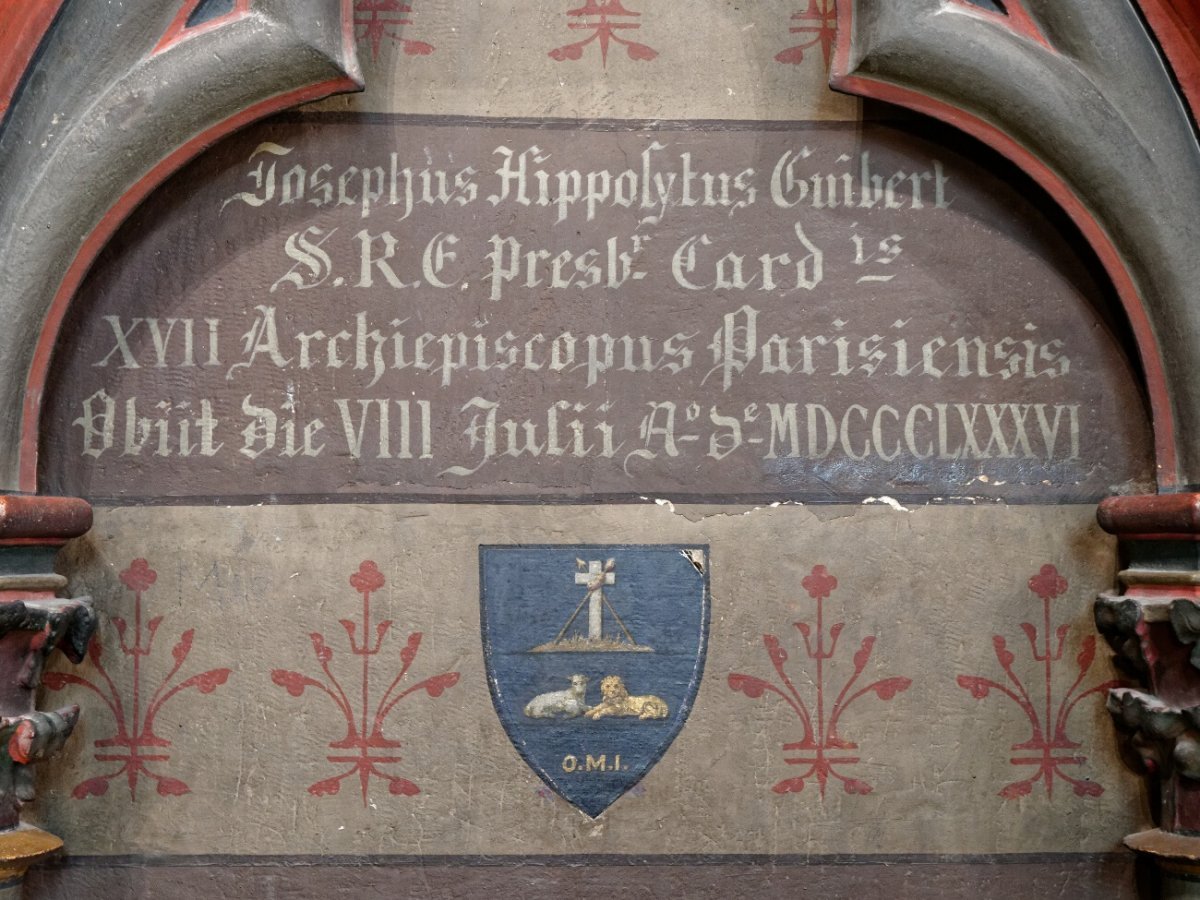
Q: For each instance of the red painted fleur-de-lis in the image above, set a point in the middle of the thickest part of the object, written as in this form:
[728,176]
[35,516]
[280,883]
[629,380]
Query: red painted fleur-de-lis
[364,743]
[603,18]
[136,745]
[377,20]
[1049,747]
[822,748]
[818,23]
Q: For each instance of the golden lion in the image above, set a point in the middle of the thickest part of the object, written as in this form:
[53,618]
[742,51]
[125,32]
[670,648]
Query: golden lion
[617,702]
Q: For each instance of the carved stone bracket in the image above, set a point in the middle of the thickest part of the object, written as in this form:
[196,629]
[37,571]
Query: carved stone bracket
[33,623]
[1154,627]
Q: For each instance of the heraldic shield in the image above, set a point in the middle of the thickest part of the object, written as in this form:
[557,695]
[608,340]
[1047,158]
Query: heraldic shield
[594,656]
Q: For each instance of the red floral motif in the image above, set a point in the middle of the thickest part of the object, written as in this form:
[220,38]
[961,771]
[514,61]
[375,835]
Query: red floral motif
[818,23]
[139,576]
[820,584]
[822,748]
[1049,748]
[375,20]
[364,747]
[1047,583]
[368,578]
[603,18]
[136,744]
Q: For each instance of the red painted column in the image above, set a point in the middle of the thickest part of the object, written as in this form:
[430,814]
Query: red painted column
[1153,624]
[34,621]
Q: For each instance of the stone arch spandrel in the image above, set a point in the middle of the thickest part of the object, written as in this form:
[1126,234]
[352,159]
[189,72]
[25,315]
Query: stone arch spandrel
[1085,104]
[110,111]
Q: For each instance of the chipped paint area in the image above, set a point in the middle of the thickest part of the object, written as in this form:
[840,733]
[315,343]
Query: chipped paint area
[889,502]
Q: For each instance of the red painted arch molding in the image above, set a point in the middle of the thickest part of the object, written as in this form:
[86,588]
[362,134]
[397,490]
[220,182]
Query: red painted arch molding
[128,202]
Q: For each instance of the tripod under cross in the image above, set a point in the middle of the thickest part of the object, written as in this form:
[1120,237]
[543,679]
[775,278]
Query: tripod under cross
[594,576]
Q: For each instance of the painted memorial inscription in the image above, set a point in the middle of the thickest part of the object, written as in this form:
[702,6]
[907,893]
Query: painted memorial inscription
[594,656]
[403,308]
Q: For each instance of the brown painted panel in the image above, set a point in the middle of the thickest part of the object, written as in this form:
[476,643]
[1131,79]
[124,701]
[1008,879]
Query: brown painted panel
[398,307]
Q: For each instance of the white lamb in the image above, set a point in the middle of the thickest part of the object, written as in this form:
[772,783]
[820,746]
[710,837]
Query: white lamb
[560,704]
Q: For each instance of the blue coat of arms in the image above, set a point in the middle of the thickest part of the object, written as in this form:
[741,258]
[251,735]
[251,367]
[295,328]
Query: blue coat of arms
[594,656]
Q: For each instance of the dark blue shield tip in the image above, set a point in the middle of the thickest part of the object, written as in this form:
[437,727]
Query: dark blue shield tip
[594,655]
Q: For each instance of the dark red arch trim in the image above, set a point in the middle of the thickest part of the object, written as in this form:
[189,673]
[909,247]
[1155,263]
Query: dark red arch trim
[1017,19]
[118,213]
[178,29]
[1165,433]
[1176,25]
[23,24]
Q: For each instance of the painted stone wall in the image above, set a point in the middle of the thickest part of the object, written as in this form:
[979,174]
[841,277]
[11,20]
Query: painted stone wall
[921,761]
[895,548]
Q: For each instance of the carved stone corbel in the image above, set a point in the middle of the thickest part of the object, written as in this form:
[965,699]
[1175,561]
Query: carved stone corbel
[34,622]
[1154,627]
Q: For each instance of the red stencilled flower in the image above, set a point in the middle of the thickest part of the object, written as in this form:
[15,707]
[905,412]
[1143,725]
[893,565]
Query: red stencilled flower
[607,20]
[978,686]
[207,682]
[133,714]
[641,52]
[365,725]
[409,652]
[567,53]
[1047,583]
[1017,790]
[789,786]
[294,682]
[818,26]
[749,685]
[328,787]
[888,688]
[402,787]
[171,787]
[594,8]
[139,576]
[775,650]
[437,685]
[184,646]
[819,584]
[856,786]
[322,650]
[1049,746]
[1085,788]
[368,578]
[378,20]
[416,48]
[93,787]
[823,752]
